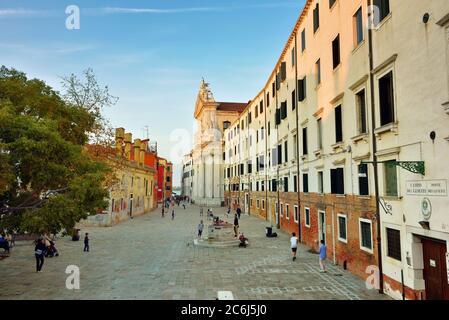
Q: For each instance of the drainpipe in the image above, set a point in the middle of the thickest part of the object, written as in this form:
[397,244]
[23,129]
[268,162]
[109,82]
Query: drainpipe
[374,143]
[297,142]
[266,155]
[333,237]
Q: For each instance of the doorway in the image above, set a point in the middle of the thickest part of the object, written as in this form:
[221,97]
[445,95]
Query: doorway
[246,202]
[322,226]
[435,269]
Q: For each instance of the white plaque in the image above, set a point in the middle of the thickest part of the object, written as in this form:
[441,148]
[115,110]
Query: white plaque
[435,188]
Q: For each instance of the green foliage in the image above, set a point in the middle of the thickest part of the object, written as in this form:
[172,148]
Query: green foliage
[42,148]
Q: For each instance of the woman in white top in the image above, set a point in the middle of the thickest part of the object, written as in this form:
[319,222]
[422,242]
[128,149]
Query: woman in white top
[294,245]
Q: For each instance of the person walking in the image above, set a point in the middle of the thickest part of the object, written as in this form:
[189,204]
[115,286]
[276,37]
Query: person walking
[236,226]
[39,253]
[200,229]
[86,243]
[228,212]
[323,250]
[294,245]
[239,212]
[173,213]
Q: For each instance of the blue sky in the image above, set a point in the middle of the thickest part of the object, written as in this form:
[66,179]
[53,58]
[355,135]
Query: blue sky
[152,54]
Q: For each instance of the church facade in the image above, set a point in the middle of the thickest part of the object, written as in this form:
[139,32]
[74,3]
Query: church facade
[212,118]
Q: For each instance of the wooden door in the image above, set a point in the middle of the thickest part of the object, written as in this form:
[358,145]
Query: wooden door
[435,270]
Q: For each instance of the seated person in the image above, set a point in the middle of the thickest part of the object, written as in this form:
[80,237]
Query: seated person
[4,243]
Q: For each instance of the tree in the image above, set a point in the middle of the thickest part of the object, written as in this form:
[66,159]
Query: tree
[48,179]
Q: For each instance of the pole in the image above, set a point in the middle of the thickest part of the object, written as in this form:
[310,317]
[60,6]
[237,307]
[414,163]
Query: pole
[374,143]
[296,102]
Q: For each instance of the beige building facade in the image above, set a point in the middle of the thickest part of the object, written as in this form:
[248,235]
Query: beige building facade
[347,142]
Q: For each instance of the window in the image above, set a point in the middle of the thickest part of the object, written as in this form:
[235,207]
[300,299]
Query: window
[384,8]
[279,156]
[283,71]
[256,112]
[282,209]
[274,185]
[305,182]
[250,167]
[394,244]
[386,99]
[262,133]
[338,125]
[337,181]
[278,116]
[363,179]
[286,150]
[293,99]
[305,150]
[302,89]
[331,3]
[318,72]
[319,134]
[258,203]
[307,217]
[249,117]
[361,112]
[303,40]
[366,238]
[287,211]
[358,27]
[283,110]
[293,56]
[226,124]
[295,183]
[268,128]
[336,51]
[273,89]
[296,214]
[243,125]
[316,18]
[342,228]
[320,182]
[391,179]
[285,184]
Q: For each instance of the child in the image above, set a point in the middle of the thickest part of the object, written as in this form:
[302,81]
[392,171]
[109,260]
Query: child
[322,256]
[86,243]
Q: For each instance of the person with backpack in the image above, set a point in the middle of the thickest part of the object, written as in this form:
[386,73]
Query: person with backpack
[39,253]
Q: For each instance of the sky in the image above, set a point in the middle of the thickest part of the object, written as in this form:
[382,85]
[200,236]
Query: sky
[152,55]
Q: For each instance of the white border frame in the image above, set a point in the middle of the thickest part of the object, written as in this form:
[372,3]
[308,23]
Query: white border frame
[296,214]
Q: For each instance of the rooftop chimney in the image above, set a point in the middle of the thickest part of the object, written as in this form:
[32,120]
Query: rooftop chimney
[128,139]
[119,136]
[137,150]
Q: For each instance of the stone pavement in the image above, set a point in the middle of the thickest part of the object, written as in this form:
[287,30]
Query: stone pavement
[151,257]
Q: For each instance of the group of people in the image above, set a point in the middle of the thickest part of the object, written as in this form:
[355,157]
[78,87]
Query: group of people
[321,252]
[46,248]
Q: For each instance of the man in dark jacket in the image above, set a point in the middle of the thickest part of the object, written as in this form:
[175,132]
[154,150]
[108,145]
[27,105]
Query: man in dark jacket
[239,212]
[39,253]
[236,226]
[86,243]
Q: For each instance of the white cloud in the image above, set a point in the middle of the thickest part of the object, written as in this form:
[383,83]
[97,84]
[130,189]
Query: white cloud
[18,12]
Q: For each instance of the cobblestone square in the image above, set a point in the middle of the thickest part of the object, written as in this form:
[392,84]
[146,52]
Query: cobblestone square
[151,257]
